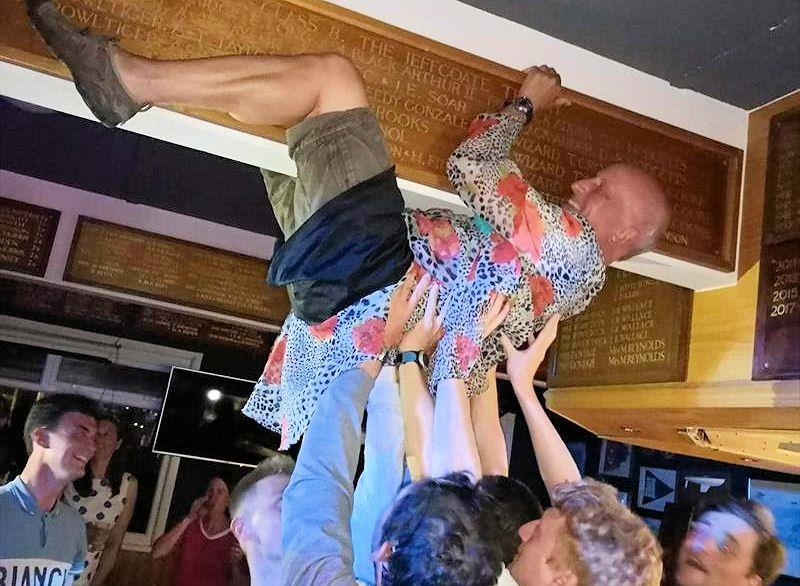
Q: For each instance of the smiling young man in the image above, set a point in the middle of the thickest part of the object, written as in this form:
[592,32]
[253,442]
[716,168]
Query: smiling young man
[731,544]
[43,541]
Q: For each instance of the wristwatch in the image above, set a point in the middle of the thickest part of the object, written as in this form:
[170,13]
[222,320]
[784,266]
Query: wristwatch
[522,104]
[409,356]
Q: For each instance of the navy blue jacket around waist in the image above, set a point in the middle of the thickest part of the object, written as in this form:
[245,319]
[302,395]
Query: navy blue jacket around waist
[354,245]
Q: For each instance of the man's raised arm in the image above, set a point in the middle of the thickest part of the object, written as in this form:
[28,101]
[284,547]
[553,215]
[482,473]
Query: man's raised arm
[556,464]
[480,169]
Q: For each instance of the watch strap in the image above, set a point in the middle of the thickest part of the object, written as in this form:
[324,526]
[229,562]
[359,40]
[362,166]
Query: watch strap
[417,356]
[522,104]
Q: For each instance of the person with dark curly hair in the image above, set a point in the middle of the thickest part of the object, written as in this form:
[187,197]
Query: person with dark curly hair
[434,534]
[508,504]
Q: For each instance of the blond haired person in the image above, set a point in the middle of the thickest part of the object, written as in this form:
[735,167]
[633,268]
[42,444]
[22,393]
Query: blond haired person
[587,538]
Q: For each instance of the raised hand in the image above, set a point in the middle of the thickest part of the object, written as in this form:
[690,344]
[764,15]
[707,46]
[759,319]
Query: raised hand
[404,301]
[542,86]
[522,364]
[427,331]
[199,507]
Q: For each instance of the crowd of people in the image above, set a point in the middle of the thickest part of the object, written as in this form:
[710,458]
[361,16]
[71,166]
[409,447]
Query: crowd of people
[403,314]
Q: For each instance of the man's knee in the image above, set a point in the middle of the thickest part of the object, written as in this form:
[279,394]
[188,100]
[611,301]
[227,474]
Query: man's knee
[342,84]
[339,68]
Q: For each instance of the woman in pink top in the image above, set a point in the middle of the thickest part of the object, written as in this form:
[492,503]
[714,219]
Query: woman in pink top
[202,541]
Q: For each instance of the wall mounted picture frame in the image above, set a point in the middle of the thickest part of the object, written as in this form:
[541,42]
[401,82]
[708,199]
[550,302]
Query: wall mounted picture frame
[615,459]
[657,488]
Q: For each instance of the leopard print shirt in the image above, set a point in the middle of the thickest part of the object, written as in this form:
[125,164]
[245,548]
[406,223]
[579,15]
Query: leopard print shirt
[545,259]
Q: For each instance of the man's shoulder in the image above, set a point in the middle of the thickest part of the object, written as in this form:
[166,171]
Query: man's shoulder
[7,496]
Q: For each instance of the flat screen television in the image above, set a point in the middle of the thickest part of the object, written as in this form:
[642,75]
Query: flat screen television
[201,418]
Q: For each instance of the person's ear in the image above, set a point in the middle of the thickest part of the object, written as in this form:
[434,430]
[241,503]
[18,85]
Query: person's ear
[625,235]
[41,437]
[238,529]
[383,553]
[754,580]
[564,578]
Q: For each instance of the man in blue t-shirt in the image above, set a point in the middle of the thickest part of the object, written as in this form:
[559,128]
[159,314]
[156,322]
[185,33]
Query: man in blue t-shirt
[43,541]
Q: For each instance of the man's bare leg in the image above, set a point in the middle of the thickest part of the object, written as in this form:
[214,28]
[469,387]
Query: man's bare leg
[274,90]
[258,89]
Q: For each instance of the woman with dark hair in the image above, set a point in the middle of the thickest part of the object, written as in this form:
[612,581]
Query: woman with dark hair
[105,497]
[202,542]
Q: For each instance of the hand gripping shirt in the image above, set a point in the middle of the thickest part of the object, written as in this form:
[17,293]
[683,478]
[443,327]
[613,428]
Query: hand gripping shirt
[545,259]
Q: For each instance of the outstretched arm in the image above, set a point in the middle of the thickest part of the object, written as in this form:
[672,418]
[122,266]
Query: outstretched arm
[480,169]
[416,401]
[484,408]
[556,464]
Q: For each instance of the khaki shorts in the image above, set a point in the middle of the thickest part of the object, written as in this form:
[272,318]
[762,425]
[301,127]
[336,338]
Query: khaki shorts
[333,152]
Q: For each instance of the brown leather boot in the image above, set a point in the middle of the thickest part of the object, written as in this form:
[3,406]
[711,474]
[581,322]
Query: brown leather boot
[88,57]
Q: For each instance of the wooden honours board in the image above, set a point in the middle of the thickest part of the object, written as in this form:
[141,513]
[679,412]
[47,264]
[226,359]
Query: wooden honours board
[126,259]
[425,95]
[635,331]
[777,343]
[782,193]
[35,300]
[777,347]
[26,236]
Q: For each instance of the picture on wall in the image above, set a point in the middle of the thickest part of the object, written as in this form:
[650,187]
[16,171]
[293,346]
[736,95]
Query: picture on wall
[615,459]
[703,483]
[656,488]
[783,499]
[624,498]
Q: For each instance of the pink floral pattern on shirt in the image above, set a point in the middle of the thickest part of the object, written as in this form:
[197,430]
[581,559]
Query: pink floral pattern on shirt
[541,293]
[505,252]
[324,330]
[528,226]
[274,366]
[467,352]
[517,244]
[368,336]
[481,125]
[442,239]
[572,227]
